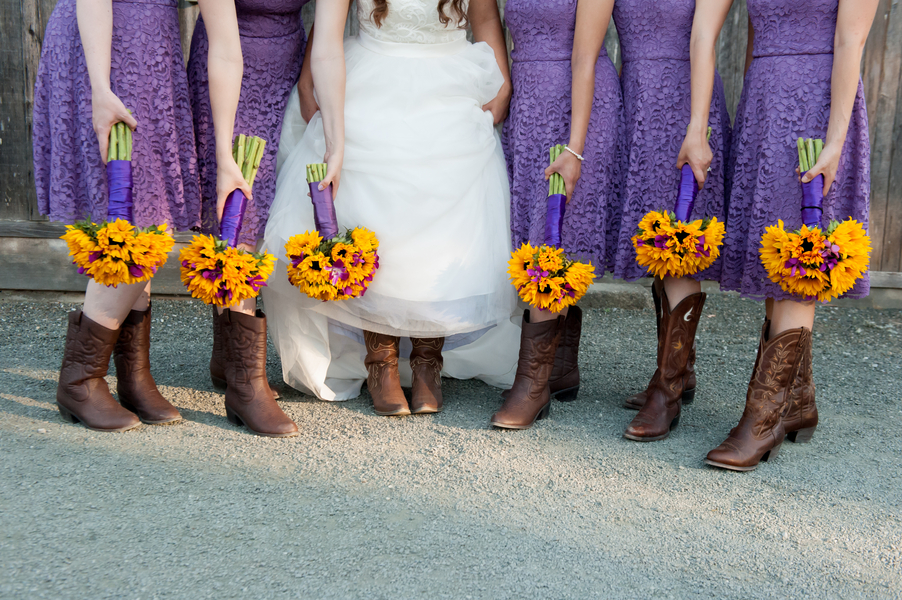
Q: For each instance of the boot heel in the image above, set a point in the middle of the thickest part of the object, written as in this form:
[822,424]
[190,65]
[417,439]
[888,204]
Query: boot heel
[219,384]
[674,423]
[233,418]
[772,453]
[567,395]
[802,436]
[67,415]
[543,414]
[688,396]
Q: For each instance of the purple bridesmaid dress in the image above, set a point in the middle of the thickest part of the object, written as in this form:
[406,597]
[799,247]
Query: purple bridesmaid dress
[654,38]
[272,42]
[786,96]
[542,32]
[147,73]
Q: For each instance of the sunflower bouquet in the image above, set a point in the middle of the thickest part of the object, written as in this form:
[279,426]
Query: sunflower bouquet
[115,251]
[669,244]
[544,276]
[214,269]
[325,264]
[811,262]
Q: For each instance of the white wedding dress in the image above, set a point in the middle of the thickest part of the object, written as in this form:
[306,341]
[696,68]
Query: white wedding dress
[423,169]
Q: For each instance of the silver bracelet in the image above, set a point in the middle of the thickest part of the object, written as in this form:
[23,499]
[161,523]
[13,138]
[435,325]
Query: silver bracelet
[578,156]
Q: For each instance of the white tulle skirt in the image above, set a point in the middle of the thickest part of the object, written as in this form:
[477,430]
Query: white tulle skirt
[424,170]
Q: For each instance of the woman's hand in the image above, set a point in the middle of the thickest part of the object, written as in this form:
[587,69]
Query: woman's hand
[826,165]
[333,162]
[228,179]
[569,167]
[500,104]
[309,107]
[696,152]
[107,110]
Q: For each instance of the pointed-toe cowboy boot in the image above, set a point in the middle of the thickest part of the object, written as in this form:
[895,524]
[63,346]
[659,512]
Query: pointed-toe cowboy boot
[564,381]
[761,429]
[426,365]
[801,416]
[529,400]
[82,393]
[663,404]
[135,385]
[636,401]
[218,357]
[248,398]
[383,380]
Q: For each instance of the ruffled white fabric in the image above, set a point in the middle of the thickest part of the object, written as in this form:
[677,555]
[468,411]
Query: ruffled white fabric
[424,170]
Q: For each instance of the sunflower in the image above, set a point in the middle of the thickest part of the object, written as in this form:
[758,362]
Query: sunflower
[550,259]
[364,239]
[521,261]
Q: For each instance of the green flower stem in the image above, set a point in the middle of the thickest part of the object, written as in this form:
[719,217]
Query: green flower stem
[239,152]
[818,148]
[258,157]
[123,148]
[128,143]
[811,159]
[114,141]
[803,155]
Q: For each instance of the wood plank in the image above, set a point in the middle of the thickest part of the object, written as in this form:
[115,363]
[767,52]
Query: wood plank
[731,50]
[16,166]
[54,229]
[891,259]
[188,14]
[872,60]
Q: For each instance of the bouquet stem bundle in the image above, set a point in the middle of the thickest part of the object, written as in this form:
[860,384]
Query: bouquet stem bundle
[668,244]
[544,276]
[120,142]
[809,262]
[216,270]
[325,264]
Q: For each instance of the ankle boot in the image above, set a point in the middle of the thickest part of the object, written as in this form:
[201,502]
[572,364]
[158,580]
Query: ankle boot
[426,364]
[636,401]
[383,380]
[529,400]
[801,417]
[82,393]
[248,398]
[137,390]
[761,429]
[564,381]
[664,400]
[217,359]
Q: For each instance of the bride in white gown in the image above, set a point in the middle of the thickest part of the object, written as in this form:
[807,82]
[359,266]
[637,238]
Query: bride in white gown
[420,164]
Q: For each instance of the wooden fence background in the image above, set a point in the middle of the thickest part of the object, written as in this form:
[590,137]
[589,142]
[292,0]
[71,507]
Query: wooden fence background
[22,24]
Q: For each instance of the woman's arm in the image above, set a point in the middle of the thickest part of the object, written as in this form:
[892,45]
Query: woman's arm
[750,48]
[592,18]
[225,67]
[709,19]
[328,58]
[485,21]
[95,26]
[852,26]
[305,83]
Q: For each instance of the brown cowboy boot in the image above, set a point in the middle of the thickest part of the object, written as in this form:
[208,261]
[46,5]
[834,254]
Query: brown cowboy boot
[564,381]
[661,411]
[248,398]
[82,393]
[383,380]
[529,399]
[426,364]
[217,358]
[761,429]
[801,417]
[636,401]
[137,390]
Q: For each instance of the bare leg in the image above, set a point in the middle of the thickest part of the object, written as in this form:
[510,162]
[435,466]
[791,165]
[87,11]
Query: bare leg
[769,309]
[680,288]
[108,306]
[788,314]
[540,316]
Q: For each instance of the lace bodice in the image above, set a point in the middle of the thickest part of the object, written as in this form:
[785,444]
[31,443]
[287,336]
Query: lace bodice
[786,27]
[654,29]
[409,22]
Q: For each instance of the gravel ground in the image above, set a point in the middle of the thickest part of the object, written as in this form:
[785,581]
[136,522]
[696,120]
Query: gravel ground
[360,506]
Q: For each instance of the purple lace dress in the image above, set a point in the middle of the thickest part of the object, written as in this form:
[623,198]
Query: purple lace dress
[787,95]
[542,31]
[654,38]
[147,73]
[273,42]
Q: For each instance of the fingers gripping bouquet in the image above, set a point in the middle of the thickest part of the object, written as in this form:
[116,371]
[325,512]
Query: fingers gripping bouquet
[327,265]
[215,270]
[115,251]
[544,277]
[669,244]
[811,262]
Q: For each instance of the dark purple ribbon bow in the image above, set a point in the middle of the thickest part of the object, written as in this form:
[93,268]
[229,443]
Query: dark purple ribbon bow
[324,211]
[554,218]
[688,193]
[813,201]
[119,182]
[232,217]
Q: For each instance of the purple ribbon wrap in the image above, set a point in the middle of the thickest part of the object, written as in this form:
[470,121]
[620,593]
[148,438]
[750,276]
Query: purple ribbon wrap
[119,183]
[324,211]
[813,201]
[232,217]
[554,219]
[688,193]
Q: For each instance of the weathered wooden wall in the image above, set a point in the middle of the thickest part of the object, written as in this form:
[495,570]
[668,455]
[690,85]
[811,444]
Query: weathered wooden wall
[22,24]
